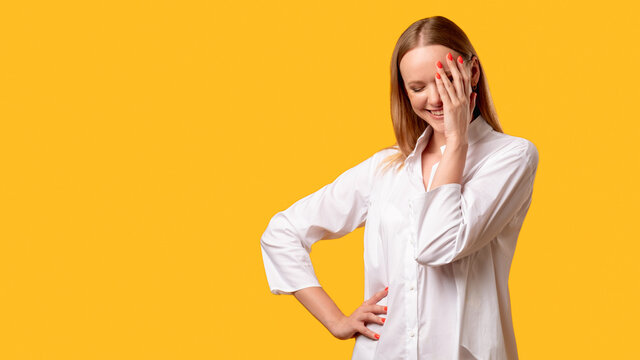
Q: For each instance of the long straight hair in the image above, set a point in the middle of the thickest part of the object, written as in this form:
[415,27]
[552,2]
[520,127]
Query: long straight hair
[407,125]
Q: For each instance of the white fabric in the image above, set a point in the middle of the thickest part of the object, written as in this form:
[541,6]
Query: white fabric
[444,253]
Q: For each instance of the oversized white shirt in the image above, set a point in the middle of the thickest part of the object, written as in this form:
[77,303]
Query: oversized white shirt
[445,253]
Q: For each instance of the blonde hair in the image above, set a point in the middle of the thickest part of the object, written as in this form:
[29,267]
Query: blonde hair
[434,30]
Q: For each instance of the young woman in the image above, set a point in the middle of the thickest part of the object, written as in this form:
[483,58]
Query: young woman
[442,209]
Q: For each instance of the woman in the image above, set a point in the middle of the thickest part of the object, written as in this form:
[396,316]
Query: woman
[442,207]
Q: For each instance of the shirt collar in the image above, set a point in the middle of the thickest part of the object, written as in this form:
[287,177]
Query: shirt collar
[476,130]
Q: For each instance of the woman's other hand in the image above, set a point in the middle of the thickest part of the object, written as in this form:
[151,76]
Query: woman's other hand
[354,324]
[457,97]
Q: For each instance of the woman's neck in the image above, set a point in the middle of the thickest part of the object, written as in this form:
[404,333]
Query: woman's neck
[435,142]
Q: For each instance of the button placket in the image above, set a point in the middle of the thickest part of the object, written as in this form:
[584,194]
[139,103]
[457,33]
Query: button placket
[411,294]
[412,237]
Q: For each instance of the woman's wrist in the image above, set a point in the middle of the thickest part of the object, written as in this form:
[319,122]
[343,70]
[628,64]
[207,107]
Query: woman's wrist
[456,143]
[334,323]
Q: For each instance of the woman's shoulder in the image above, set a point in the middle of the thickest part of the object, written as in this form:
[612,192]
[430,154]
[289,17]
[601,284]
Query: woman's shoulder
[388,151]
[505,145]
[387,157]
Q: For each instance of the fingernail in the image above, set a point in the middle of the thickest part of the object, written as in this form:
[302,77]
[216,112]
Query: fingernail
[438,75]
[385,308]
[386,289]
[460,59]
[449,56]
[383,320]
[439,64]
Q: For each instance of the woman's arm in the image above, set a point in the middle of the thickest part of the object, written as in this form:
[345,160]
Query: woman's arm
[451,165]
[451,222]
[331,212]
[458,103]
[318,302]
[320,305]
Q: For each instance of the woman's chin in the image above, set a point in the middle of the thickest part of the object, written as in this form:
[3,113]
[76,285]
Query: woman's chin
[437,125]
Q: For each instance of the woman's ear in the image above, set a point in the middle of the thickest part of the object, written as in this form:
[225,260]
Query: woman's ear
[475,70]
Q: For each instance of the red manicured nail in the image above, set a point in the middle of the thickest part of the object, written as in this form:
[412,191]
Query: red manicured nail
[385,308]
[439,64]
[449,56]
[438,75]
[387,288]
[460,59]
[383,320]
[377,336]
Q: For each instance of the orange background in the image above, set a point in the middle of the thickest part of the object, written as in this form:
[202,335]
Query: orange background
[146,145]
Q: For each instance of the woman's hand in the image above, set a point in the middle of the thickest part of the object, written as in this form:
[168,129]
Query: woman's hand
[457,97]
[348,326]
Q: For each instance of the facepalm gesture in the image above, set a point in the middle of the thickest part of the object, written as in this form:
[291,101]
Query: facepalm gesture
[457,97]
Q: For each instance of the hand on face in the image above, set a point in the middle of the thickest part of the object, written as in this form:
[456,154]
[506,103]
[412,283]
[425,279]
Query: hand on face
[457,98]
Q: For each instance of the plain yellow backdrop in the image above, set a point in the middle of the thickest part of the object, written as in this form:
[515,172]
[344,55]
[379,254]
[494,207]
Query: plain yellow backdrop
[146,144]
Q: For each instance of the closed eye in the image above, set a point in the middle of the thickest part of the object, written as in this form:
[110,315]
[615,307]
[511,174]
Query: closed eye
[450,77]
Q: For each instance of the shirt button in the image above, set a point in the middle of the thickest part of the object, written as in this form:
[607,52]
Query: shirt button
[412,334]
[411,287]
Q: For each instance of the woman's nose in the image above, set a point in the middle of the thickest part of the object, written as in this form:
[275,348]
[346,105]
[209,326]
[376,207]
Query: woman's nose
[433,93]
[431,96]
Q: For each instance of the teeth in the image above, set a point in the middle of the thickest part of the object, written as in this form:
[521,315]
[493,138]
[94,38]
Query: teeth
[434,112]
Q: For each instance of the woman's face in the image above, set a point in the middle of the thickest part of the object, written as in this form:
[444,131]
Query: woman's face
[418,69]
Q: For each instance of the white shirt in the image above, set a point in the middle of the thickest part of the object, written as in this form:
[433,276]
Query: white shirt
[445,253]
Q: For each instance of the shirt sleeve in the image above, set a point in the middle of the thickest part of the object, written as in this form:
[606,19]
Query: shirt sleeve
[452,221]
[331,212]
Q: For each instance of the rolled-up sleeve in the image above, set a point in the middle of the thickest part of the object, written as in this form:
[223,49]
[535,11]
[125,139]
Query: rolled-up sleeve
[331,212]
[452,221]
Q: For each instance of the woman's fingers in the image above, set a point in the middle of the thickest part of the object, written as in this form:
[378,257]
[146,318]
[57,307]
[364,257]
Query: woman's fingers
[369,318]
[366,314]
[377,297]
[465,73]
[458,84]
[444,94]
[372,318]
[375,309]
[368,333]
